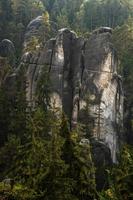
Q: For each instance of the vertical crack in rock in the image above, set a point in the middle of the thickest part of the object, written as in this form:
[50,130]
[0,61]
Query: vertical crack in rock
[33,78]
[68,72]
[77,78]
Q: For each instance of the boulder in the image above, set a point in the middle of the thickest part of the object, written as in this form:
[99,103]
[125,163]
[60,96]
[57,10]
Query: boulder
[101,156]
[33,28]
[39,29]
[7,50]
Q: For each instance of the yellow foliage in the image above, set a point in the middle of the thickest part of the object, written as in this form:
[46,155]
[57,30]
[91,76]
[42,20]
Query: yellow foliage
[110,194]
[32,45]
[46,17]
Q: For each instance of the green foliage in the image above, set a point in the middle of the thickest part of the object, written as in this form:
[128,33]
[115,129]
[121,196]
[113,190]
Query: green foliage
[4,103]
[52,164]
[123,37]
[120,177]
[32,45]
[8,152]
[6,15]
[80,15]
[15,16]
[123,41]
[84,172]
[44,88]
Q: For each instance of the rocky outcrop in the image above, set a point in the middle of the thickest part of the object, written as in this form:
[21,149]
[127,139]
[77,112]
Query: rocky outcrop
[103,86]
[101,155]
[7,50]
[40,29]
[84,81]
[82,73]
[33,28]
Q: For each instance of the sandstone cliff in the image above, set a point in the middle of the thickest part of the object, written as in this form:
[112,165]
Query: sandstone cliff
[83,76]
[82,72]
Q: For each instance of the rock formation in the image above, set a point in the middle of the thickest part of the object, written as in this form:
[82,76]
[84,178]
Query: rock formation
[104,86]
[7,50]
[82,72]
[39,29]
[83,77]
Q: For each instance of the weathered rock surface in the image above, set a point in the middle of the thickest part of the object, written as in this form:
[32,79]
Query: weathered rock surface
[101,155]
[83,73]
[33,29]
[103,86]
[39,29]
[7,50]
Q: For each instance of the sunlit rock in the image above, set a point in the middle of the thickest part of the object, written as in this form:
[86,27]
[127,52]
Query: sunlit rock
[83,81]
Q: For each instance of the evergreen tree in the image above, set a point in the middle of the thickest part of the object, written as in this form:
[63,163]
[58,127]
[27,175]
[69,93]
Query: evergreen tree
[6,16]
[123,40]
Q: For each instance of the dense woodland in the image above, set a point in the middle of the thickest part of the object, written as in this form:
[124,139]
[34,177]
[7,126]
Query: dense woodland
[44,166]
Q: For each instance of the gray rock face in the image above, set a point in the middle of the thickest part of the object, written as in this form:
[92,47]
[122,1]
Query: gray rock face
[82,72]
[104,87]
[103,30]
[39,29]
[7,50]
[102,160]
[33,28]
